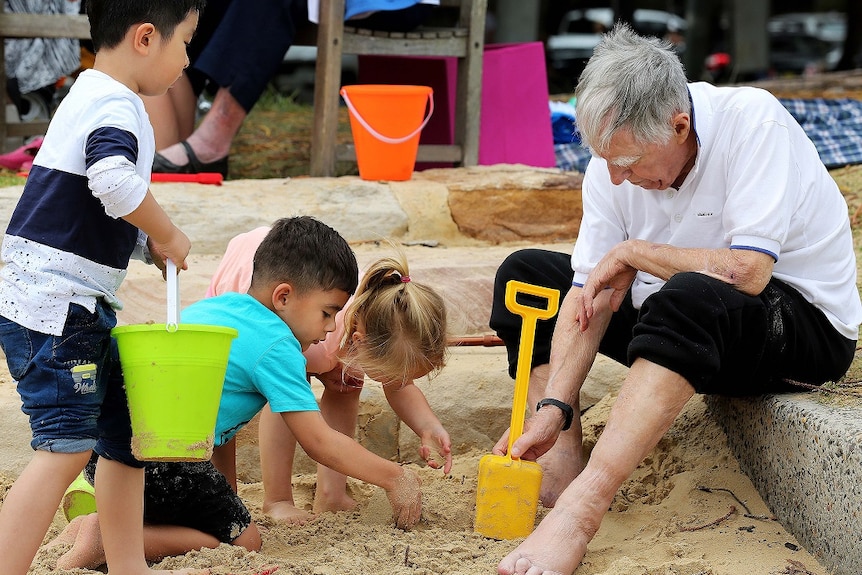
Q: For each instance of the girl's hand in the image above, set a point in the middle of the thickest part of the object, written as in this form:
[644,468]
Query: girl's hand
[436,436]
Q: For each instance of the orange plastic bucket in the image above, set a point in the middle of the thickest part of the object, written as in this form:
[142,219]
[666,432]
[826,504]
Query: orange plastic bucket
[386,122]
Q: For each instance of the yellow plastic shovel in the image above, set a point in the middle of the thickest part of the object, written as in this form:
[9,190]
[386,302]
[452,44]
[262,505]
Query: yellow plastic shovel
[508,491]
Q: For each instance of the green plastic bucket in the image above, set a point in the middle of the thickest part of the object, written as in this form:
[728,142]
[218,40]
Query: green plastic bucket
[79,499]
[174,375]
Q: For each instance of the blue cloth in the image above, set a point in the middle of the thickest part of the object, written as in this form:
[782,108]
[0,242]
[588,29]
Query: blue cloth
[833,125]
[355,8]
[265,363]
[563,125]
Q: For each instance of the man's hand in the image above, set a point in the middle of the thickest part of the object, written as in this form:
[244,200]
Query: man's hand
[613,271]
[540,433]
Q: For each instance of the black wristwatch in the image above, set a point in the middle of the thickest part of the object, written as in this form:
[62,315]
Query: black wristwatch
[567,410]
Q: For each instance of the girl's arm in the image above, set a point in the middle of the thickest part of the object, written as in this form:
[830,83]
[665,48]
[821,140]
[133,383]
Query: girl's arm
[409,403]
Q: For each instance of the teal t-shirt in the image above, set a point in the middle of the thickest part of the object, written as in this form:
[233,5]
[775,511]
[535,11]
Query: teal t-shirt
[265,364]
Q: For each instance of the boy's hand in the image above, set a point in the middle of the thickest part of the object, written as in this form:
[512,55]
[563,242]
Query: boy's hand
[439,437]
[406,500]
[176,248]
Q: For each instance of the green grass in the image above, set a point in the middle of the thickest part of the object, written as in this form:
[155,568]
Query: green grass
[9,178]
[275,140]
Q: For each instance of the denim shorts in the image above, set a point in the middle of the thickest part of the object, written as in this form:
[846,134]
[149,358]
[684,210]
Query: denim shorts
[71,385]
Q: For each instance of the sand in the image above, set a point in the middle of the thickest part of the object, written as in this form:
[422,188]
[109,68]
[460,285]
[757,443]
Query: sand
[661,522]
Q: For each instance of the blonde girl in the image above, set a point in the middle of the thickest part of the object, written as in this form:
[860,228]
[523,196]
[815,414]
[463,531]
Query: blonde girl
[393,331]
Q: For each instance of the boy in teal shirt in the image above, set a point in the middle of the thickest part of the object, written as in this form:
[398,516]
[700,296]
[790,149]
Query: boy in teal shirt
[304,272]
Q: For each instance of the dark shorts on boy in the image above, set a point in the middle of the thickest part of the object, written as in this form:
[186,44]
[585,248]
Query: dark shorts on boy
[190,494]
[71,385]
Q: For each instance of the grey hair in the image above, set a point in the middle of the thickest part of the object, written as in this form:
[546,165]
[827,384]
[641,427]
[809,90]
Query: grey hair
[631,82]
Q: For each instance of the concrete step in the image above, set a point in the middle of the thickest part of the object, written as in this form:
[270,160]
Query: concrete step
[803,452]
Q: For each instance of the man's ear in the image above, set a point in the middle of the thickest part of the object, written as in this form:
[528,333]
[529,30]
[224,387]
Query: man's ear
[681,126]
[144,35]
[282,294]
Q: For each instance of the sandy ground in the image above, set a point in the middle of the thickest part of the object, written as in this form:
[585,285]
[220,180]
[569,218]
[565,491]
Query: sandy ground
[687,510]
[662,522]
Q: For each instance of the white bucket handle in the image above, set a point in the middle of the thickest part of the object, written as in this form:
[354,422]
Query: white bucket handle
[173,321]
[377,134]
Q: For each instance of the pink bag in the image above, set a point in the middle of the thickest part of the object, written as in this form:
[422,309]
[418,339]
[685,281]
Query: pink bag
[515,117]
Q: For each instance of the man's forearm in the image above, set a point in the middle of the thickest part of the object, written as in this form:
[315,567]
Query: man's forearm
[572,350]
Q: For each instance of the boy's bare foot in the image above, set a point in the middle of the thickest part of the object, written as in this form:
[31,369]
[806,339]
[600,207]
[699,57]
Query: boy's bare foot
[68,535]
[338,502]
[286,512]
[87,551]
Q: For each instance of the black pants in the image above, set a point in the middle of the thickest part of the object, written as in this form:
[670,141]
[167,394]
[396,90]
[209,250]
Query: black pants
[721,340]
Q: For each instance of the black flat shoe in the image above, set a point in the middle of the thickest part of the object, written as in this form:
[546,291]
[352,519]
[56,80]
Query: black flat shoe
[162,165]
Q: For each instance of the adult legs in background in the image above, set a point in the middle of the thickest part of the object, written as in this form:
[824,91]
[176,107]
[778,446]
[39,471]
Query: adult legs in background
[241,56]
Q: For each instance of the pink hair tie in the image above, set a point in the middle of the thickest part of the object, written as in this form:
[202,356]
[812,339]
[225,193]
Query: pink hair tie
[405,279]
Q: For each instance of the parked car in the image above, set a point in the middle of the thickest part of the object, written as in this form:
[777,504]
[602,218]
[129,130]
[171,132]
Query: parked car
[806,42]
[796,53]
[830,27]
[580,31]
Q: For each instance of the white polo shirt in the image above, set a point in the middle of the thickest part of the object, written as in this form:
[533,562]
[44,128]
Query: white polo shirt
[757,183]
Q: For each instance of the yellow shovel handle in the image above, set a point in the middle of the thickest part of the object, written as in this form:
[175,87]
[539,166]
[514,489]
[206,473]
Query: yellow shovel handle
[530,315]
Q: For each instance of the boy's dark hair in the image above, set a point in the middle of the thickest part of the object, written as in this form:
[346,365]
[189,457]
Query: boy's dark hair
[111,19]
[307,254]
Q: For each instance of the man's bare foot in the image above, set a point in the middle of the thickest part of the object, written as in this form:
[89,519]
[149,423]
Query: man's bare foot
[338,502]
[87,551]
[555,547]
[287,512]
[560,466]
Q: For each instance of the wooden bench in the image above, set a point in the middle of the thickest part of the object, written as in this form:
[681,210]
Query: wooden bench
[464,41]
[17,25]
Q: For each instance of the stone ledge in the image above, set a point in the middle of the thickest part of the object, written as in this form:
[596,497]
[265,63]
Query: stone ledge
[803,452]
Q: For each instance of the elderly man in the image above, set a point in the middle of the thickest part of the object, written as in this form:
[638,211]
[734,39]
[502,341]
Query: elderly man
[714,256]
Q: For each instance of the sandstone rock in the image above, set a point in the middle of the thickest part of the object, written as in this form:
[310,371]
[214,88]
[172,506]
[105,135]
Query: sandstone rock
[510,203]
